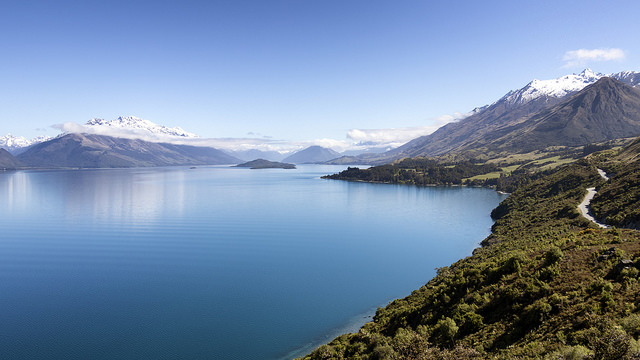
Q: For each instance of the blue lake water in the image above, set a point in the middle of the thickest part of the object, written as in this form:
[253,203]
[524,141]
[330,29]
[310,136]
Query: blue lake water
[214,262]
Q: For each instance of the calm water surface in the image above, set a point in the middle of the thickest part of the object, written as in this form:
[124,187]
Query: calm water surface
[213,262]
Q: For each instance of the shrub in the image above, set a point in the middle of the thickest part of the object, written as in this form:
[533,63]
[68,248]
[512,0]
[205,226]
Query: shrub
[631,324]
[553,256]
[577,352]
[446,330]
[613,343]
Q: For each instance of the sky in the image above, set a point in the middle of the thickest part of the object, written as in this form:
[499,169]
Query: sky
[294,72]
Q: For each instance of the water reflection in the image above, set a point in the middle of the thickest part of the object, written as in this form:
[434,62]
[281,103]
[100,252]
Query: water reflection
[14,188]
[99,195]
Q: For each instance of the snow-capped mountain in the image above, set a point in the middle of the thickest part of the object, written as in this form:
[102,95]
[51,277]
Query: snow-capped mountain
[631,78]
[493,123]
[140,125]
[15,144]
[563,86]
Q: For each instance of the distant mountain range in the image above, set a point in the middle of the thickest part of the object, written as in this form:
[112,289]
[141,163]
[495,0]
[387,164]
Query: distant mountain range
[251,154]
[17,144]
[573,110]
[312,155]
[99,151]
[141,126]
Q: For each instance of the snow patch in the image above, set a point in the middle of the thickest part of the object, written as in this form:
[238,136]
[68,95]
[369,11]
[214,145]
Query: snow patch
[135,123]
[555,88]
[15,144]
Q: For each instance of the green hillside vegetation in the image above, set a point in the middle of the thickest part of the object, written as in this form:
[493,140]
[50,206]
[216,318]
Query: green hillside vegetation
[546,284]
[505,172]
[431,171]
[618,201]
[416,171]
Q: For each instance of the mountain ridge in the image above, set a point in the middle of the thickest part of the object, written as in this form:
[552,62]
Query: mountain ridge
[8,161]
[138,124]
[311,155]
[16,144]
[497,120]
[97,151]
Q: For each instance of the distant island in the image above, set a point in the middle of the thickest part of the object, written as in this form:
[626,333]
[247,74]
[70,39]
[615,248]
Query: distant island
[266,164]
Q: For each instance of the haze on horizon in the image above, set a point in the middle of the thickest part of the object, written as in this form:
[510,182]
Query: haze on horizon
[293,72]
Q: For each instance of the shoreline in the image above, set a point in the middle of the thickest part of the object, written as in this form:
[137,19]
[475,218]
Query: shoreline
[352,325]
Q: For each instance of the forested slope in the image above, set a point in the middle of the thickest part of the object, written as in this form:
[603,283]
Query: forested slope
[547,283]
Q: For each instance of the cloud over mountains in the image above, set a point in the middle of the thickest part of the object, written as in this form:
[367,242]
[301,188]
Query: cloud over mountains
[356,139]
[581,57]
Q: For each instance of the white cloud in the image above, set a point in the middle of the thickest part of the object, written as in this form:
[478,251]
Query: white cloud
[395,137]
[581,57]
[264,144]
[357,139]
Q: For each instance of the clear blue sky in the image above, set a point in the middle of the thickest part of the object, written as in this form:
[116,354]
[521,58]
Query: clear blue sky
[294,70]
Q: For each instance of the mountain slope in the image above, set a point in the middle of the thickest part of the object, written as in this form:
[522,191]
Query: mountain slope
[509,110]
[605,110]
[312,154]
[8,161]
[88,150]
[617,201]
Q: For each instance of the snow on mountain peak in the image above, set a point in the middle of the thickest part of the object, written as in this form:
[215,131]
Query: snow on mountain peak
[15,144]
[555,88]
[140,125]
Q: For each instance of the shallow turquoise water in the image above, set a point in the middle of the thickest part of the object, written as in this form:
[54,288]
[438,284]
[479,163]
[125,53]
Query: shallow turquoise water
[213,262]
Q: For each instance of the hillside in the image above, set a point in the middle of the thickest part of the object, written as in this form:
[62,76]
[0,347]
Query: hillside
[546,283]
[98,151]
[618,200]
[8,161]
[605,110]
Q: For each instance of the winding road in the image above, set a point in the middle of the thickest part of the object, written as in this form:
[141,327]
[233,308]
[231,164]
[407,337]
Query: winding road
[584,205]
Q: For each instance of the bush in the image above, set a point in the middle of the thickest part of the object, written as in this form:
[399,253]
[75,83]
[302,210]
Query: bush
[446,330]
[613,343]
[553,256]
[577,352]
[631,324]
[537,312]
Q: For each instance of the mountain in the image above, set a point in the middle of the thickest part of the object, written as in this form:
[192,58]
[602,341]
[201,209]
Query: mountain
[564,86]
[247,155]
[312,155]
[139,126]
[8,161]
[605,110]
[552,89]
[17,144]
[516,110]
[93,151]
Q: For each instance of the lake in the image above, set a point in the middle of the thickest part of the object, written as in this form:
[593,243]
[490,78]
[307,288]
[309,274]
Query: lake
[214,262]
